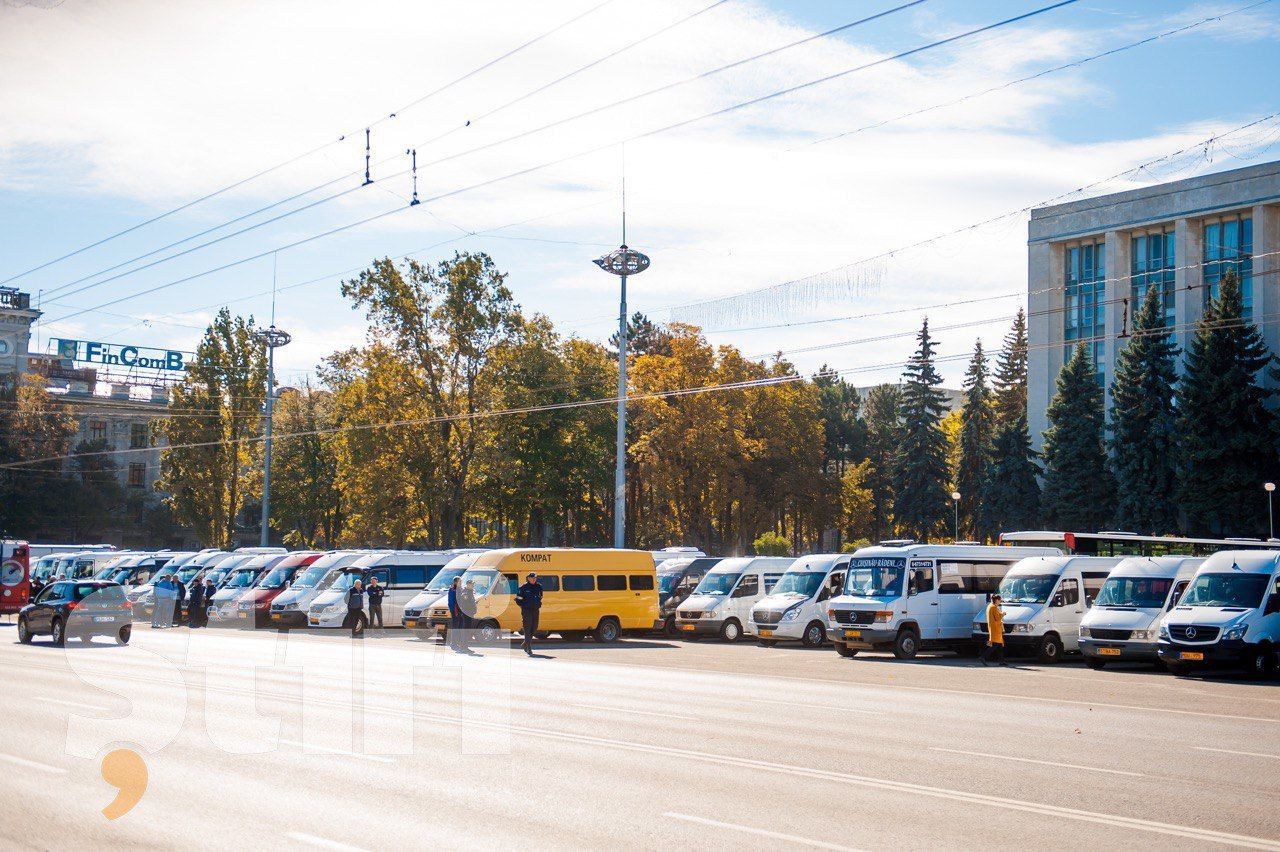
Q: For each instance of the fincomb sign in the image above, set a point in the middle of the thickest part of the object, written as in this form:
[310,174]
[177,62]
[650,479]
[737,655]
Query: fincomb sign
[117,355]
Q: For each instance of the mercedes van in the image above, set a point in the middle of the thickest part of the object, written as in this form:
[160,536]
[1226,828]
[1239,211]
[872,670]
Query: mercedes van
[419,611]
[253,607]
[290,608]
[721,604]
[677,578]
[796,608]
[224,609]
[1124,621]
[1229,615]
[1044,599]
[403,575]
[906,597]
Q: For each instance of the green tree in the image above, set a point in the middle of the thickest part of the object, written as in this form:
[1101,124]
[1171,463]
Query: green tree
[1226,433]
[95,499]
[1143,439]
[35,433]
[1079,490]
[1012,498]
[1010,380]
[644,337]
[857,501]
[883,419]
[771,544]
[208,467]
[845,438]
[306,500]
[976,446]
[921,473]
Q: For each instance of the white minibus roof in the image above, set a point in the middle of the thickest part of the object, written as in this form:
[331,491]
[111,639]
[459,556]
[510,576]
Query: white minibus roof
[1059,564]
[1166,567]
[407,557]
[818,562]
[1244,561]
[953,551]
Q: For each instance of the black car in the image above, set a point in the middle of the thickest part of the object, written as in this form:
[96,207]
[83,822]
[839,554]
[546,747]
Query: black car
[80,608]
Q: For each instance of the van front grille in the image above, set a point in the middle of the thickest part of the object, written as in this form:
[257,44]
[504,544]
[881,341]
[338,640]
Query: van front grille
[1193,633]
[1113,635]
[854,616]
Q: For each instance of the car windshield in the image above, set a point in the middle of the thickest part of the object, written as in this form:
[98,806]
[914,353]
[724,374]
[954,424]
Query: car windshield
[1027,588]
[346,580]
[1243,590]
[800,583]
[242,579]
[718,583]
[274,579]
[441,582]
[875,577]
[1147,592]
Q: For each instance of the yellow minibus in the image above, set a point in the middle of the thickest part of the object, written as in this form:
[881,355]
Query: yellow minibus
[602,592]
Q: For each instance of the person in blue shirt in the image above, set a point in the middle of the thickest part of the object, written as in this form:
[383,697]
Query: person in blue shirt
[529,599]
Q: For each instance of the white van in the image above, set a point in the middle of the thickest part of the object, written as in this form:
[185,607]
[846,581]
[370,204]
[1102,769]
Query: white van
[403,574]
[907,597]
[796,608]
[1229,615]
[42,550]
[289,609]
[1124,621]
[1044,600]
[138,593]
[417,612]
[721,605]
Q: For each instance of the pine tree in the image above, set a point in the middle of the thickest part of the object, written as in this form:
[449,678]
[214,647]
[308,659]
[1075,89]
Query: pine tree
[1012,498]
[977,444]
[1144,425]
[922,474]
[1227,436]
[1079,490]
[1010,381]
[883,419]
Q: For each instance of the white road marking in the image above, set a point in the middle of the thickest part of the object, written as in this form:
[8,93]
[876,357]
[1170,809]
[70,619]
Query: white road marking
[816,706]
[759,832]
[1041,762]
[73,704]
[31,764]
[377,758]
[1245,753]
[312,840]
[607,709]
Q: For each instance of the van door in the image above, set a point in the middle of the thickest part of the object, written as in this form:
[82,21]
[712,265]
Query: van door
[922,598]
[744,596]
[1066,608]
[402,586]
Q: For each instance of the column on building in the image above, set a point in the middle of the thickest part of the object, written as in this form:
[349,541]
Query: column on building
[1045,305]
[1266,276]
[1188,299]
[1118,289]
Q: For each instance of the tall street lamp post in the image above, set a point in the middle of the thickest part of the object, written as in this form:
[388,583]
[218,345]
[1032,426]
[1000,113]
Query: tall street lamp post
[1271,518]
[955,500]
[272,338]
[622,262]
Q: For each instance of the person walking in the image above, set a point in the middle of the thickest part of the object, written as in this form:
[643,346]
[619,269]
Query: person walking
[355,610]
[529,599]
[195,606]
[995,633]
[456,620]
[163,610]
[374,593]
[467,614]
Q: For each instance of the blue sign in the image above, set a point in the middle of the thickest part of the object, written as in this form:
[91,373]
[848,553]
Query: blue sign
[116,355]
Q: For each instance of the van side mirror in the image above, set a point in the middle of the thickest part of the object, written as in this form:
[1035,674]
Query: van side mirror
[912,591]
[1057,600]
[1273,605]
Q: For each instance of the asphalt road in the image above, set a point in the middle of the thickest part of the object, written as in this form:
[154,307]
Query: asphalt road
[307,741]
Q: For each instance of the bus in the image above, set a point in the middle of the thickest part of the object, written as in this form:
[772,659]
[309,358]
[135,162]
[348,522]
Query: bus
[15,578]
[1131,544]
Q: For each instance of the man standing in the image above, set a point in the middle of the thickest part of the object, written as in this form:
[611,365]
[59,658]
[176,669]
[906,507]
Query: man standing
[355,610]
[180,596]
[467,614]
[529,599]
[995,633]
[162,615]
[209,591]
[375,593]
[196,604]
[456,619]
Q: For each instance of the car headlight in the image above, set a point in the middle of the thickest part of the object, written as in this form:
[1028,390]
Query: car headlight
[791,614]
[1164,631]
[1018,628]
[1142,634]
[1233,634]
[1084,633]
[884,615]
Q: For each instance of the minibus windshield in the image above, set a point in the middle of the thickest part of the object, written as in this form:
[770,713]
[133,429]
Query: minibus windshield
[717,583]
[875,577]
[800,583]
[1244,590]
[309,578]
[483,580]
[441,582]
[668,580]
[1144,592]
[274,579]
[242,579]
[1027,588]
[187,574]
[346,580]
[216,576]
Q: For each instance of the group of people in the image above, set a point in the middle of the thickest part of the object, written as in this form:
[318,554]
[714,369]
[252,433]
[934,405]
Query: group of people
[462,612]
[356,620]
[170,594]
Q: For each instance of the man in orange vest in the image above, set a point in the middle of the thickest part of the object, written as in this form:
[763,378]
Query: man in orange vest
[995,633]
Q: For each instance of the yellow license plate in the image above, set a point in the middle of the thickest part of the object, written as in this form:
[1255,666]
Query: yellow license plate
[686,626]
[766,633]
[853,634]
[243,615]
[1190,655]
[1109,652]
[410,624]
[275,616]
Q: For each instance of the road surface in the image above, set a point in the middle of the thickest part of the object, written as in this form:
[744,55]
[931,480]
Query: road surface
[307,741]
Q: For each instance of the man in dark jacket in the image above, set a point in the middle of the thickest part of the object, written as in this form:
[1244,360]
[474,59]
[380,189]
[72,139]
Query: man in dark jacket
[457,621]
[195,606]
[355,610]
[374,593]
[209,591]
[529,599]
[466,614]
[180,597]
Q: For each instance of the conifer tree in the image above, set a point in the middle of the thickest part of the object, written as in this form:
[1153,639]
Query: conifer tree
[1226,434]
[977,444]
[883,418]
[1144,424]
[1010,380]
[1079,489]
[1012,497]
[921,476]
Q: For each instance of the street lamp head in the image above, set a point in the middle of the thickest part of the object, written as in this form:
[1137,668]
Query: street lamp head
[623,261]
[1270,486]
[273,337]
[955,495]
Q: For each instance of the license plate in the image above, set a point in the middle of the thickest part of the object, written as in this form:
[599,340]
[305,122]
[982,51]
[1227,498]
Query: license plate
[687,627]
[1190,655]
[275,616]
[103,619]
[766,633]
[410,623]
[1109,652]
[244,615]
[853,634]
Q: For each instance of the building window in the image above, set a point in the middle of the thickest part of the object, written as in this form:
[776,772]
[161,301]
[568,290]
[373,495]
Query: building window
[1086,286]
[1152,266]
[97,430]
[137,475]
[138,435]
[1228,244]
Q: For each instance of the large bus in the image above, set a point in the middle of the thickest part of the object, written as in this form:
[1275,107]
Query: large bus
[1131,544]
[15,577]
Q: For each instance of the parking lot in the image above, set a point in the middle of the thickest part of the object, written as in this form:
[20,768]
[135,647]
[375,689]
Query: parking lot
[642,744]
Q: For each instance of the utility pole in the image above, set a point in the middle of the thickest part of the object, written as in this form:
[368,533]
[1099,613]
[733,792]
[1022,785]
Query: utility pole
[272,338]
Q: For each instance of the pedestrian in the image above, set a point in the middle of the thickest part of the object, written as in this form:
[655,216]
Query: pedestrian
[159,596]
[467,613]
[529,599]
[375,593]
[180,597]
[995,633]
[209,591]
[196,604]
[457,621]
[355,610]
[36,587]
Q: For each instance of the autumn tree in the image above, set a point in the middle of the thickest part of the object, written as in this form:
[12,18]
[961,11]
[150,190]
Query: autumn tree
[306,500]
[35,433]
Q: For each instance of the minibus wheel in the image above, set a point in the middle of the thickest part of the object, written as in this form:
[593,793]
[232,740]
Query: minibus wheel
[906,645]
[814,635]
[1262,662]
[488,632]
[1050,649]
[122,637]
[608,631]
[731,631]
[845,651]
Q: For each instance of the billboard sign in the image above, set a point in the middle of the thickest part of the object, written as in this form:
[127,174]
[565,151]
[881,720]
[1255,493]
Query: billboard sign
[118,355]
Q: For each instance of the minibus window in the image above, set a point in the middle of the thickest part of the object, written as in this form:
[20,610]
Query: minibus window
[612,582]
[875,577]
[1179,588]
[409,576]
[579,583]
[1146,592]
[748,587]
[717,583]
[1027,588]
[1093,585]
[309,578]
[1068,594]
[667,582]
[549,583]
[799,583]
[641,582]
[921,580]
[1241,590]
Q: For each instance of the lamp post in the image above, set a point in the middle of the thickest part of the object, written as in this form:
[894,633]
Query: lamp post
[955,501]
[272,338]
[1271,518]
[622,262]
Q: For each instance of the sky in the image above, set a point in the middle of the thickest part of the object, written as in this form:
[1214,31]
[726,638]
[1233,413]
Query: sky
[115,113]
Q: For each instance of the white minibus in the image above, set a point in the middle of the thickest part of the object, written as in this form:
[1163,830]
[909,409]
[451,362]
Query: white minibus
[1044,599]
[721,604]
[290,607]
[1229,615]
[796,608]
[417,612]
[1124,621]
[907,597]
[403,575]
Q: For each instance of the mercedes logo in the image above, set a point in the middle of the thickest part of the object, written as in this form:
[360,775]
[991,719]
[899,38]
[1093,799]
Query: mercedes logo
[1191,633]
